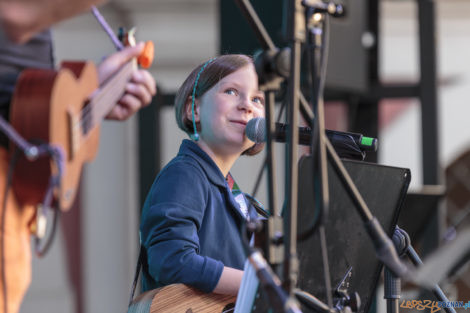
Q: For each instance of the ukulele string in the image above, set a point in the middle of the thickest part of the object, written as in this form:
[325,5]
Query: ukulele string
[86,120]
[87,114]
[117,43]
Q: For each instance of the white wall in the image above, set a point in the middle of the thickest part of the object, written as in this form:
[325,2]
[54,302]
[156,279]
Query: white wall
[400,141]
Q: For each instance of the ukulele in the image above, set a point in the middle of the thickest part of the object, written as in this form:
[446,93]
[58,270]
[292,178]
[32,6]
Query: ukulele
[64,108]
[179,298]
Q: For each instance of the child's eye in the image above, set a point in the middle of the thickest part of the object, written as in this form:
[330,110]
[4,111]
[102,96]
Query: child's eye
[231,91]
[258,100]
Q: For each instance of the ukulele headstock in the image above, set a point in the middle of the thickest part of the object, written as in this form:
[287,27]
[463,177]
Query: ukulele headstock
[145,59]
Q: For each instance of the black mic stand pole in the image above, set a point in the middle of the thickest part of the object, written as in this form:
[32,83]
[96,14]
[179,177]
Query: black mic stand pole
[392,283]
[383,245]
[296,35]
[269,83]
[269,69]
[436,290]
[273,248]
[317,43]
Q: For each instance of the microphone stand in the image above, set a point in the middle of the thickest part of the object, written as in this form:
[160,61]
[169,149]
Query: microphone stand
[295,35]
[270,66]
[392,283]
[317,39]
[383,245]
[270,80]
[267,65]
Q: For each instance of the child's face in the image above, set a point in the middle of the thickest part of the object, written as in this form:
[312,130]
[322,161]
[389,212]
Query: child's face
[224,110]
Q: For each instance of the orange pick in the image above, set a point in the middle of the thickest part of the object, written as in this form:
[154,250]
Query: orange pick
[145,58]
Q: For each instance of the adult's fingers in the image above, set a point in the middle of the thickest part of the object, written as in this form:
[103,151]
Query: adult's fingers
[116,60]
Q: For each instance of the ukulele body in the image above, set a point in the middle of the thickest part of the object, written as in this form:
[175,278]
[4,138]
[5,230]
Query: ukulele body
[179,298]
[46,108]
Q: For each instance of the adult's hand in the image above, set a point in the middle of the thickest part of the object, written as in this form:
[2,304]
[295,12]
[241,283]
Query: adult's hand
[138,91]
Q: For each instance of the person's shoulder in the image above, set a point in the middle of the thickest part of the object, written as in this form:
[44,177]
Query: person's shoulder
[179,183]
[183,165]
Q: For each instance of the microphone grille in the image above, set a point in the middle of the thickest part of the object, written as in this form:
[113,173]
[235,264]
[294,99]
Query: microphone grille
[256,129]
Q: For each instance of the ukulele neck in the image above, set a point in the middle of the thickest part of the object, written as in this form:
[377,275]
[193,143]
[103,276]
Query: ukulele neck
[105,98]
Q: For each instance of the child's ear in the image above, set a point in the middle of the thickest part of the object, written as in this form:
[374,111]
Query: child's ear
[188,111]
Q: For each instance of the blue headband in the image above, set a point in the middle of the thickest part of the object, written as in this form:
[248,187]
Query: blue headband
[195,136]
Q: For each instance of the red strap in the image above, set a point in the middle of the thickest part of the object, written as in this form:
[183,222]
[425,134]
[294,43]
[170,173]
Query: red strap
[230,181]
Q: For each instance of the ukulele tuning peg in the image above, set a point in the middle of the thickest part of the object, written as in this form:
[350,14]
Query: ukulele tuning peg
[121,33]
[145,58]
[129,37]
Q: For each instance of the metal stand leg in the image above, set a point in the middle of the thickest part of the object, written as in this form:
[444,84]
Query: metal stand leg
[392,291]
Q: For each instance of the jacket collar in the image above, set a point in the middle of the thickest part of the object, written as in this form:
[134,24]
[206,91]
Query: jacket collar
[190,148]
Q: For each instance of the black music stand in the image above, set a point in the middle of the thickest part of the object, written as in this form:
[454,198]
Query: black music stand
[418,210]
[383,189]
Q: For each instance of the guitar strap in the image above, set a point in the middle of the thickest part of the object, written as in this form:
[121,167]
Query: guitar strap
[137,273]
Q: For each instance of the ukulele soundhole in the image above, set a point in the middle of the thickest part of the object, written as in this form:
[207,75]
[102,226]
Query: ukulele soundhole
[229,308]
[86,119]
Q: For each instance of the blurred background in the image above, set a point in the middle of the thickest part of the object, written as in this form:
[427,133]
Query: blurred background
[398,71]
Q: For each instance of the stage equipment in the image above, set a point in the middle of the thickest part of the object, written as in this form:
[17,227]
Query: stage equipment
[349,250]
[347,145]
[352,43]
[404,248]
[354,268]
[308,23]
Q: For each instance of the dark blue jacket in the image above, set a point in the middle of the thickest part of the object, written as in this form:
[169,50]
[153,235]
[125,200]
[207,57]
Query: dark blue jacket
[190,226]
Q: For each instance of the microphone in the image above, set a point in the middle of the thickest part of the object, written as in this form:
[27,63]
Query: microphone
[347,145]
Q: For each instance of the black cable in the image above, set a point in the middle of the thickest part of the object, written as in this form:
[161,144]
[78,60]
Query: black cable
[317,69]
[312,81]
[40,252]
[54,181]
[260,210]
[31,152]
[318,81]
[138,268]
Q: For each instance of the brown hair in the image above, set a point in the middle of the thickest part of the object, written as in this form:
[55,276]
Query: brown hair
[214,71]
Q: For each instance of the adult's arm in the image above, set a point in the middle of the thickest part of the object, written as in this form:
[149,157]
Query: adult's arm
[21,19]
